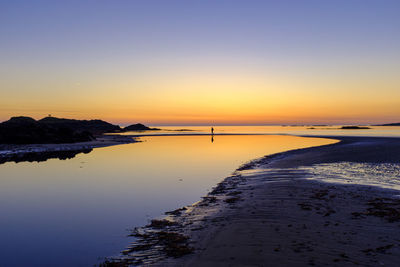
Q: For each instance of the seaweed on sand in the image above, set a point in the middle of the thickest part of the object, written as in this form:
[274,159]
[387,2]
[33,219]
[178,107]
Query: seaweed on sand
[161,223]
[176,212]
[157,240]
[385,208]
[232,200]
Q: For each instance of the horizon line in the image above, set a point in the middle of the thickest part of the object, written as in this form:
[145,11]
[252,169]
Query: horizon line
[124,124]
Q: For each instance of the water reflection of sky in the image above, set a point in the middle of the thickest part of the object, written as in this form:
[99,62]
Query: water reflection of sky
[385,175]
[74,212]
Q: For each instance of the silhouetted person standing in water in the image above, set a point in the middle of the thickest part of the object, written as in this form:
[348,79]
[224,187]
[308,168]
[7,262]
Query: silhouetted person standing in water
[212,135]
[212,131]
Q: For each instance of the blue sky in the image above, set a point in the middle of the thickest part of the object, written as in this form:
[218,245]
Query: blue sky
[50,47]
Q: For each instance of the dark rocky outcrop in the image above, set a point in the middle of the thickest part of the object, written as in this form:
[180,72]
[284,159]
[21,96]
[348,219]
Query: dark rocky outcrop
[354,127]
[92,126]
[139,127]
[25,130]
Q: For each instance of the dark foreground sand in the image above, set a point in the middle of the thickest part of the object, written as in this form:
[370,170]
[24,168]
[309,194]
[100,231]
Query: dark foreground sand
[275,217]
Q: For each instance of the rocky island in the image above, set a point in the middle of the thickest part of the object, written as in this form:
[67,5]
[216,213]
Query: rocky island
[139,127]
[390,124]
[27,139]
[354,127]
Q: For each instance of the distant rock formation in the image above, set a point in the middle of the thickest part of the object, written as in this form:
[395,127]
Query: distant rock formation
[139,127]
[389,124]
[25,130]
[354,127]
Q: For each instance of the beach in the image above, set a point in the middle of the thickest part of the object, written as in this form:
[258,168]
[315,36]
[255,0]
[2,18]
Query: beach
[200,133]
[272,212]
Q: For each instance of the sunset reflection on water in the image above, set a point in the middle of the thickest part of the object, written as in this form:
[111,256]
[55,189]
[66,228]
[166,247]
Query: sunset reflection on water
[76,212]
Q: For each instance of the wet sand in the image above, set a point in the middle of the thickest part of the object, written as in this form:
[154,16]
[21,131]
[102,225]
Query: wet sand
[268,214]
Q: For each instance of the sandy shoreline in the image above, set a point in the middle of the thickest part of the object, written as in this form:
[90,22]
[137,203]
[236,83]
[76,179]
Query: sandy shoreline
[269,214]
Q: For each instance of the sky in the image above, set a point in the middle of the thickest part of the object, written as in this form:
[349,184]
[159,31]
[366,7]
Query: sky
[201,62]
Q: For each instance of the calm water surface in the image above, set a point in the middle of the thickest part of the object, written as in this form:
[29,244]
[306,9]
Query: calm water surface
[389,131]
[76,212]
[385,175]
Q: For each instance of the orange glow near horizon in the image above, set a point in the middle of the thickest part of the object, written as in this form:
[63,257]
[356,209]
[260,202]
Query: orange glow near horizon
[214,99]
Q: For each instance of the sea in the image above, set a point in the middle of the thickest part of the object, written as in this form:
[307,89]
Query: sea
[79,211]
